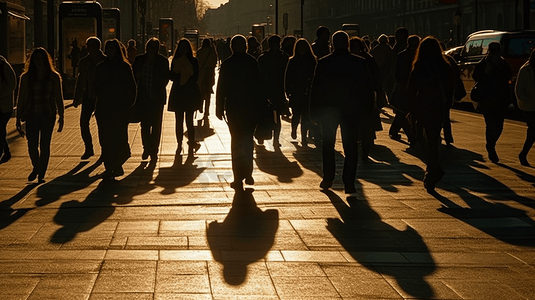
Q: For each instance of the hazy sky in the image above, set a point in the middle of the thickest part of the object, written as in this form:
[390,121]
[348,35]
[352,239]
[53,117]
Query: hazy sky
[216,3]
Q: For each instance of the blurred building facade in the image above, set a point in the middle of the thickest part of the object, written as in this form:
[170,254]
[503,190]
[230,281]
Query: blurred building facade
[449,20]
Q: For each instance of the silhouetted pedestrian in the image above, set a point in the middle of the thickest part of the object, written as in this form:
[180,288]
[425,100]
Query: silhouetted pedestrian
[492,75]
[321,46]
[298,80]
[152,76]
[401,37]
[74,56]
[287,45]
[84,92]
[131,51]
[429,90]
[8,83]
[40,100]
[525,93]
[342,93]
[272,68]
[207,58]
[370,123]
[115,87]
[185,96]
[383,54]
[239,99]
[397,100]
[458,93]
[253,47]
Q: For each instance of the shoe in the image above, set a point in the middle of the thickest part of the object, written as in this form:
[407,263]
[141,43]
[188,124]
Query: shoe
[6,157]
[145,155]
[249,180]
[87,154]
[237,185]
[32,175]
[493,156]
[523,160]
[41,179]
[350,189]
[118,172]
[294,135]
[396,136]
[325,185]
[193,147]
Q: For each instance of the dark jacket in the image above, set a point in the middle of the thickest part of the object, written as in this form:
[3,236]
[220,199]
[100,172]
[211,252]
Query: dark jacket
[430,91]
[84,89]
[238,86]
[115,88]
[342,81]
[272,68]
[298,79]
[160,79]
[185,97]
[493,80]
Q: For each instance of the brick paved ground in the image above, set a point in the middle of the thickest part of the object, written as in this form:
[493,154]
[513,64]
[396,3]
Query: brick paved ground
[179,232]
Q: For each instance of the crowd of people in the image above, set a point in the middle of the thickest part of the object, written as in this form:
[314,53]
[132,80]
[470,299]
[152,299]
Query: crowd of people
[336,81]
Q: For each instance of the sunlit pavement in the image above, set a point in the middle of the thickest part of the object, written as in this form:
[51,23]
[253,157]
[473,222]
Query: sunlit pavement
[175,229]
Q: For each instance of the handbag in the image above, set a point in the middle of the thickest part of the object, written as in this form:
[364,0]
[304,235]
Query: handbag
[267,119]
[476,94]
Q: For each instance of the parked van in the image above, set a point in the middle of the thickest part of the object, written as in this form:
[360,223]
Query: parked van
[516,47]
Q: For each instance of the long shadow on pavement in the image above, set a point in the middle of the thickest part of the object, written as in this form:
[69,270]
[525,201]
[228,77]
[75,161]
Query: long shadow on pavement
[178,175]
[364,236]
[276,163]
[8,215]
[251,232]
[72,181]
[387,171]
[76,217]
[506,223]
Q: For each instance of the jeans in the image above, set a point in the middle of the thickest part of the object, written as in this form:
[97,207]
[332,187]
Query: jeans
[39,135]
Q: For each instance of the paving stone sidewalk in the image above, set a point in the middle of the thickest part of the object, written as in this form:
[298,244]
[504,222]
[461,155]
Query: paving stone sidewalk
[174,229]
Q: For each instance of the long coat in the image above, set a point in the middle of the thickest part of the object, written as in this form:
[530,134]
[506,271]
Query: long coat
[187,96]
[493,79]
[298,80]
[343,82]
[272,67]
[207,57]
[430,91]
[238,87]
[116,90]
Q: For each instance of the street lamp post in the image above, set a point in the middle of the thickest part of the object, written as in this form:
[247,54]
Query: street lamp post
[276,16]
[302,5]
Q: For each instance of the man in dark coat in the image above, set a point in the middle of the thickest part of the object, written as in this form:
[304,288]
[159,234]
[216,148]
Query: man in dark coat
[342,92]
[84,92]
[272,65]
[238,99]
[152,75]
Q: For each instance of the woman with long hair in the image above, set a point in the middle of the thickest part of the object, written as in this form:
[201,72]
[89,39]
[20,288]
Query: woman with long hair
[298,79]
[40,100]
[185,96]
[116,90]
[429,92]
